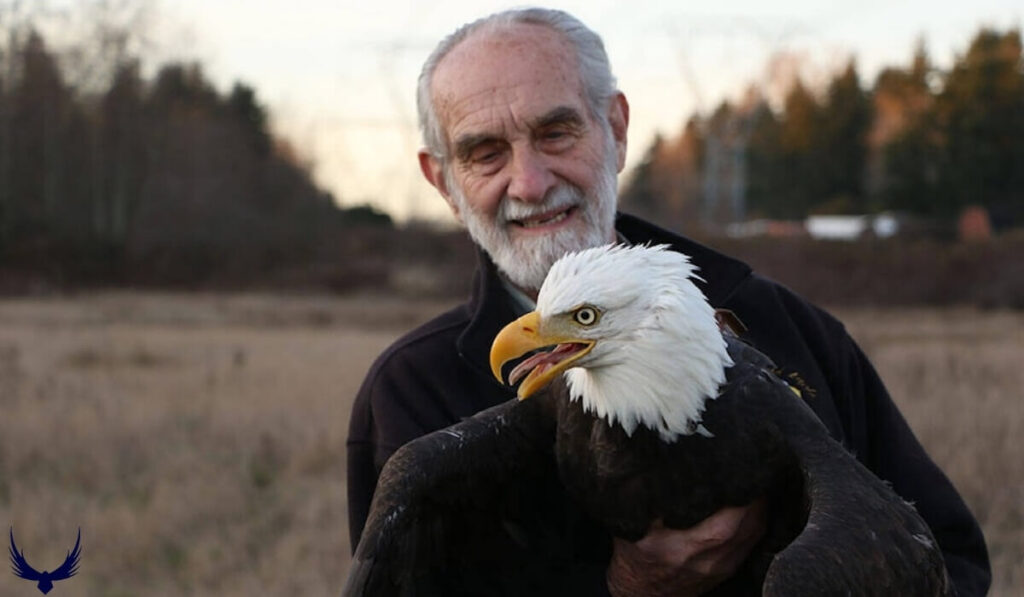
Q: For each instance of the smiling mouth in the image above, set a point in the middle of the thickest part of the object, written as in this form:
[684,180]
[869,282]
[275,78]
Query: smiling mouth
[545,219]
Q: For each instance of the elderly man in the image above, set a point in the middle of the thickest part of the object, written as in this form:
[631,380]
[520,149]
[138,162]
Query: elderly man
[525,134]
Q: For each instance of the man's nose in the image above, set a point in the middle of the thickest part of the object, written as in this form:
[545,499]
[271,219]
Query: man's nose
[531,176]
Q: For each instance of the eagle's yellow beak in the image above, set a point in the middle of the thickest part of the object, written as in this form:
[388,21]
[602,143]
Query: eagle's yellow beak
[524,335]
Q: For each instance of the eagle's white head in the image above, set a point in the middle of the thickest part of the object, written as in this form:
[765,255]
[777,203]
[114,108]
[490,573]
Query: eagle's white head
[637,340]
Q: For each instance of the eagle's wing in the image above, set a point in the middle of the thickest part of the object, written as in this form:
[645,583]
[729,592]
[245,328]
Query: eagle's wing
[860,537]
[70,565]
[468,504]
[22,569]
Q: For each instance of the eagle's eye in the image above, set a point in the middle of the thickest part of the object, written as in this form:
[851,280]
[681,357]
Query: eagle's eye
[585,316]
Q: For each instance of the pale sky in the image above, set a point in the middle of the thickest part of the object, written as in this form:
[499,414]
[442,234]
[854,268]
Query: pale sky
[338,76]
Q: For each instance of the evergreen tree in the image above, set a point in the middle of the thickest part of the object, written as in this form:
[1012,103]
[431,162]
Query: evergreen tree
[981,114]
[120,158]
[41,109]
[802,174]
[843,135]
[767,175]
[904,140]
[666,185]
[641,195]
[251,116]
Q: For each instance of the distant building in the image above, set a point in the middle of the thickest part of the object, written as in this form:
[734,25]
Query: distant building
[836,227]
[848,228]
[974,224]
[764,227]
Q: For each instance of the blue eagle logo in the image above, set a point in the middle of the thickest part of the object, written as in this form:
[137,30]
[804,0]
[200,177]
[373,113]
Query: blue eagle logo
[45,579]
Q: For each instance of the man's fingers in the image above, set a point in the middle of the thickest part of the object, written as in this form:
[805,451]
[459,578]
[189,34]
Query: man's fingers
[722,560]
[720,527]
[723,531]
[685,561]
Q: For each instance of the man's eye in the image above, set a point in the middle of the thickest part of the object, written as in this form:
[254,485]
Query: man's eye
[485,155]
[556,135]
[557,139]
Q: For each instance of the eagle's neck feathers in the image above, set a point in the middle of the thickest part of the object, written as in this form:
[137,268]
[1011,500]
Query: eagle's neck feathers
[662,358]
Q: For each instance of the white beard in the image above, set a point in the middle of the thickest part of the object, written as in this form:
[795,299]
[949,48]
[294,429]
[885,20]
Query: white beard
[525,262]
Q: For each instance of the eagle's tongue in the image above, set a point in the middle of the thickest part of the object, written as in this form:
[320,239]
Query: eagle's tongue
[542,361]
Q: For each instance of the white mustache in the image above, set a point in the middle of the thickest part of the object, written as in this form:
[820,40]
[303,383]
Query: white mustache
[559,198]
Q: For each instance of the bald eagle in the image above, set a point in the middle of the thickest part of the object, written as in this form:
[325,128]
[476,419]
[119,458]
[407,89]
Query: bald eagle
[635,409]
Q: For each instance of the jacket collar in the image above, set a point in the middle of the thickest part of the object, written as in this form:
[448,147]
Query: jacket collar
[491,306]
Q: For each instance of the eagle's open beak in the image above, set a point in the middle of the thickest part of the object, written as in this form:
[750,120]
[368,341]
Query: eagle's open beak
[524,335]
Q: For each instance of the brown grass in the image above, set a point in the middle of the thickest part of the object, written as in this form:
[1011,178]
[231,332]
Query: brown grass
[198,440]
[957,376]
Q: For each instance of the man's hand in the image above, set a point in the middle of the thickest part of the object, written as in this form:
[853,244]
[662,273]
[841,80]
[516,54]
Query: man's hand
[686,562]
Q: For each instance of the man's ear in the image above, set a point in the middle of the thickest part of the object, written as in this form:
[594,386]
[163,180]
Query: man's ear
[618,120]
[433,170]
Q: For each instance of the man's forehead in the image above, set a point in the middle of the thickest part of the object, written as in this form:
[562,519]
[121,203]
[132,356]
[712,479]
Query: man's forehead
[517,58]
[510,40]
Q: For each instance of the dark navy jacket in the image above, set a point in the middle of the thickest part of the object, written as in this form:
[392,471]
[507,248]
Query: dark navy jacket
[439,373]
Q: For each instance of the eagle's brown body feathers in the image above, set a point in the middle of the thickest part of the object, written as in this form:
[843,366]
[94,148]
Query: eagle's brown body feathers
[627,482]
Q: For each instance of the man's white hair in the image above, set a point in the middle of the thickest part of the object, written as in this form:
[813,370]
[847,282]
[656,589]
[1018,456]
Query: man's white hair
[591,60]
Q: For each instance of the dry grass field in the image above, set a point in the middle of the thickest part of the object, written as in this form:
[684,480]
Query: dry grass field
[198,440]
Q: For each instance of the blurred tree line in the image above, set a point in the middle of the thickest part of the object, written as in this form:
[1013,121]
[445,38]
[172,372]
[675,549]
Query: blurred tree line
[920,141]
[117,178]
